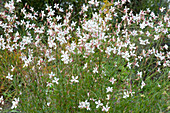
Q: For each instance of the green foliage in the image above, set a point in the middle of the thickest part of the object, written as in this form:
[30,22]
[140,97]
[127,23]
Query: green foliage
[154,5]
[38,5]
[37,91]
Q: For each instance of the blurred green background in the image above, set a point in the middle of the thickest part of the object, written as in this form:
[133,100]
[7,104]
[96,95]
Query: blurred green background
[136,5]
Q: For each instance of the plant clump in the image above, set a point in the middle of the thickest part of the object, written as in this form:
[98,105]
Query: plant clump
[107,61]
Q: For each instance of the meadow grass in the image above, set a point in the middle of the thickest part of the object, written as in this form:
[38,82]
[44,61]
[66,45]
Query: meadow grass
[110,61]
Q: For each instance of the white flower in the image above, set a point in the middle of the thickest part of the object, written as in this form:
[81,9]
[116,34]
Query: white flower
[51,42]
[48,103]
[85,66]
[12,68]
[9,76]
[147,33]
[95,70]
[139,74]
[85,104]
[159,85]
[131,93]
[129,65]
[148,10]
[74,79]
[126,94]
[162,9]
[58,17]
[106,109]
[165,46]
[73,23]
[51,58]
[109,89]
[15,103]
[81,105]
[108,50]
[70,7]
[143,84]
[42,14]
[56,6]
[10,6]
[2,100]
[143,25]
[108,97]
[61,9]
[156,37]
[98,103]
[112,80]
[84,8]
[55,80]
[91,2]
[49,84]
[126,55]
[65,57]
[19,1]
[51,75]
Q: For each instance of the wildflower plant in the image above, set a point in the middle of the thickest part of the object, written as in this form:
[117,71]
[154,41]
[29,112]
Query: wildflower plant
[106,61]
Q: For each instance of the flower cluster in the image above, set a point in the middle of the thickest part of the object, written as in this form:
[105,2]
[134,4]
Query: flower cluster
[98,50]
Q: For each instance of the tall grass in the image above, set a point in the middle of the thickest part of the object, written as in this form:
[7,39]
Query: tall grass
[111,60]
